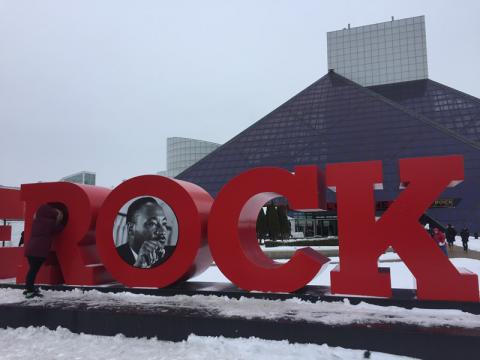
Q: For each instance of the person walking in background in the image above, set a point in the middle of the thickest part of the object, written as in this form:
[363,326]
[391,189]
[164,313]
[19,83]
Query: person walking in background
[439,238]
[465,234]
[429,229]
[450,234]
[48,221]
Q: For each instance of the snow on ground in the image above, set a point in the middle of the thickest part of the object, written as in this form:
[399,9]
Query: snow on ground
[401,277]
[295,248]
[313,239]
[62,344]
[473,244]
[330,313]
[17,228]
[389,256]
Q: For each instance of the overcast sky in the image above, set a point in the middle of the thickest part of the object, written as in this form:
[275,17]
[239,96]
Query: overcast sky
[99,85]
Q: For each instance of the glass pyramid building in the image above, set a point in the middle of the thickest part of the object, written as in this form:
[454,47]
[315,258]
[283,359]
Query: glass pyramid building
[337,120]
[391,111]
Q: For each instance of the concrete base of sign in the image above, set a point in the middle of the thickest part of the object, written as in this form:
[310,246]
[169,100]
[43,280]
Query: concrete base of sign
[177,324]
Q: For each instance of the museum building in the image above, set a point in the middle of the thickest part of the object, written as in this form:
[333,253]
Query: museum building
[376,102]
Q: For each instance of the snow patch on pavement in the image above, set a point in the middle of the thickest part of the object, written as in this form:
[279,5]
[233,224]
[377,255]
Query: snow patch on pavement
[63,344]
[401,277]
[330,313]
[473,244]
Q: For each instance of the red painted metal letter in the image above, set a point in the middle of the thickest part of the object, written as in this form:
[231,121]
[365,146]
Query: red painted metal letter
[74,248]
[232,228]
[362,239]
[11,207]
[191,206]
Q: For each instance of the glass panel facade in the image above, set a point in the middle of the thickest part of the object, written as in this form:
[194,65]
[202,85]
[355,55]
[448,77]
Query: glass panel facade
[336,120]
[318,224]
[448,107]
[184,152]
[83,177]
[383,53]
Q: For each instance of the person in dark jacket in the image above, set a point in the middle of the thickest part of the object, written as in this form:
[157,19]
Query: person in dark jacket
[48,221]
[450,233]
[465,234]
[439,238]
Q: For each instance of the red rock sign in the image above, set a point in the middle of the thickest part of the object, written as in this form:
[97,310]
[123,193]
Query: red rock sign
[85,253]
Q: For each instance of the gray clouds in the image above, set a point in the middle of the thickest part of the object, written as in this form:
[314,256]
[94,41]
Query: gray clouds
[99,85]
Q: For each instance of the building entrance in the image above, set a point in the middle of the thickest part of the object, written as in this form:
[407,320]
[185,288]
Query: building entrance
[315,224]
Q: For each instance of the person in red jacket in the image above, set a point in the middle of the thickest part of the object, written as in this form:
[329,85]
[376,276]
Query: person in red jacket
[439,238]
[48,221]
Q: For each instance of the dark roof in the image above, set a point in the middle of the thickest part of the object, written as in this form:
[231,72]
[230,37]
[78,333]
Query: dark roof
[337,120]
[448,107]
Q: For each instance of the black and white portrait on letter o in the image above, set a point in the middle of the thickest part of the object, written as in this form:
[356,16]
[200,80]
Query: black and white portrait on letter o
[145,232]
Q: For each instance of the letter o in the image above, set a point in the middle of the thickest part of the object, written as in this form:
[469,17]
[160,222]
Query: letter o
[191,205]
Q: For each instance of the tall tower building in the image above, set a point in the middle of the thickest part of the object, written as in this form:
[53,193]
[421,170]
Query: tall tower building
[184,152]
[383,53]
